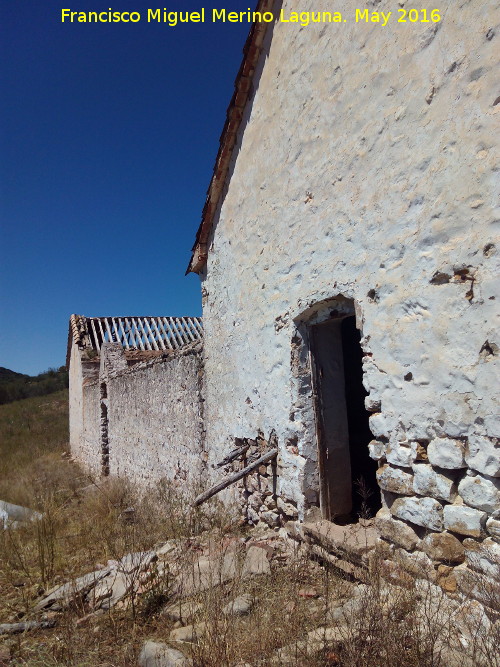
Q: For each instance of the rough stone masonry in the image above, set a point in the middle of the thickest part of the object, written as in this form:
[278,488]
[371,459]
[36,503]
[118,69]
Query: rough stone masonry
[356,182]
[362,179]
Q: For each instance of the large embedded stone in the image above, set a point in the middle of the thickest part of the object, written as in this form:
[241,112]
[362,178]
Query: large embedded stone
[14,513]
[446,453]
[472,621]
[454,429]
[394,531]
[483,455]
[117,584]
[426,512]
[395,480]
[480,492]
[464,520]
[492,425]
[137,561]
[443,547]
[483,556]
[205,573]
[429,482]
[401,454]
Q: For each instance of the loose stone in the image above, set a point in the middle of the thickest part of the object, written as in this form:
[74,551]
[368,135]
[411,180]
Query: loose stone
[157,654]
[493,528]
[401,454]
[240,606]
[395,531]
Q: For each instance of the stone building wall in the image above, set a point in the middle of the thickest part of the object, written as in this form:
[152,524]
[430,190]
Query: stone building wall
[84,408]
[155,420]
[75,401]
[143,422]
[88,449]
[382,194]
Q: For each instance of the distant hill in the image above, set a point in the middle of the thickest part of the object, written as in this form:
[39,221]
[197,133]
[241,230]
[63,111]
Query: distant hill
[14,386]
[7,375]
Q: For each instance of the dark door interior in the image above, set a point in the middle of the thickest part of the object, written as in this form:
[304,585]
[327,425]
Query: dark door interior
[349,486]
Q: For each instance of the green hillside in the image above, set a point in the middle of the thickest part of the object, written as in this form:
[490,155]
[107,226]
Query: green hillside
[15,386]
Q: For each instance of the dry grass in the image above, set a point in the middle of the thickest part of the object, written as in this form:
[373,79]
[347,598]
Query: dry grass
[34,432]
[86,523]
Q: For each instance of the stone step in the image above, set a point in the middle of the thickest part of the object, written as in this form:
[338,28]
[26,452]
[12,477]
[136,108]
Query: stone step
[352,542]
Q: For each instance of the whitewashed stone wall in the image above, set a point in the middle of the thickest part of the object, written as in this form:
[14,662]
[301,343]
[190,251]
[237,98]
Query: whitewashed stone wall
[84,408]
[88,452]
[75,400]
[365,168]
[153,426]
[155,421]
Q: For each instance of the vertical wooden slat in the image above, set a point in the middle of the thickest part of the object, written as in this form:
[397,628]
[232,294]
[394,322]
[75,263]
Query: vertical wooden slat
[187,328]
[167,338]
[180,330]
[130,334]
[151,336]
[116,331]
[95,335]
[124,335]
[154,323]
[102,330]
[173,338]
[137,334]
[147,342]
[109,330]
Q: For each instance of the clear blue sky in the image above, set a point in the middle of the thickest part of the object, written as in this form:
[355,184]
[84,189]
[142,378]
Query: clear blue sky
[109,134]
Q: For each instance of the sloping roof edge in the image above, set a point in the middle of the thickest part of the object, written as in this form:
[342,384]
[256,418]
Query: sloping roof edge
[135,333]
[234,116]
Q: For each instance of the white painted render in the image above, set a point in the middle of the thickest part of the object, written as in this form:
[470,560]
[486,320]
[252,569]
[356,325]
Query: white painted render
[153,426]
[365,168]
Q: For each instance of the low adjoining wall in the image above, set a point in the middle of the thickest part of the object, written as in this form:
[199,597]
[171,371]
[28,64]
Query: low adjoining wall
[89,447]
[145,421]
[155,420]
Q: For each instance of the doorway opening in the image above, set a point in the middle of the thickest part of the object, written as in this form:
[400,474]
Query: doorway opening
[348,483]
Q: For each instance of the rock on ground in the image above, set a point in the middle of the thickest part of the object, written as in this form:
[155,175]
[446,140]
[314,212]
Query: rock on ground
[188,634]
[256,562]
[240,606]
[154,654]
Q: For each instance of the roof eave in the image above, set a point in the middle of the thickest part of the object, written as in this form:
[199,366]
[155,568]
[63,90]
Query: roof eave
[234,116]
